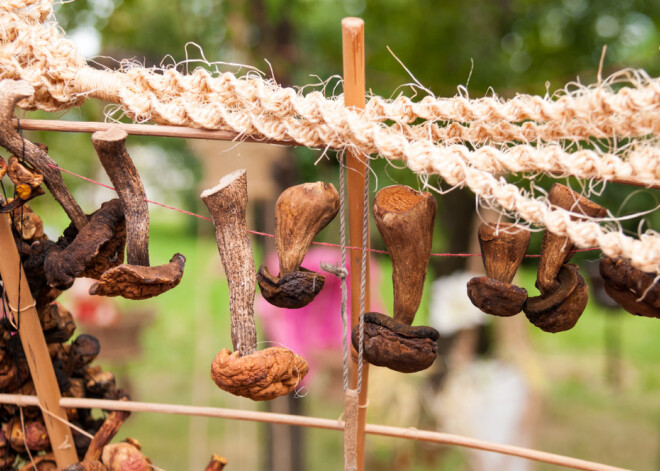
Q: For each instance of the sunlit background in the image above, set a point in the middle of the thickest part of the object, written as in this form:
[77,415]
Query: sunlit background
[591,393]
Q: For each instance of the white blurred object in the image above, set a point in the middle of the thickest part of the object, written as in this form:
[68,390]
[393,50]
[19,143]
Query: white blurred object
[451,309]
[486,400]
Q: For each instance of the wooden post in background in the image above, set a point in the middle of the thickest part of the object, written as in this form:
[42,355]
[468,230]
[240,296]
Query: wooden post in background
[34,345]
[356,166]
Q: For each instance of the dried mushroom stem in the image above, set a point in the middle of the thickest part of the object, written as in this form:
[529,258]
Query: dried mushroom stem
[110,146]
[405,218]
[503,247]
[301,212]
[217,463]
[556,250]
[227,203]
[106,433]
[12,91]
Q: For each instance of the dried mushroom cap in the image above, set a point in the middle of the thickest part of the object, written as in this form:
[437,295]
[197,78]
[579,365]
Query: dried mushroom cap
[633,289]
[496,297]
[3,167]
[291,291]
[397,346]
[559,310]
[261,376]
[21,174]
[28,224]
[125,457]
[63,265]
[301,212]
[138,282]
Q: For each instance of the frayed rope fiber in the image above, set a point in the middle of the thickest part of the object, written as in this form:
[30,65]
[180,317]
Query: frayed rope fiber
[33,48]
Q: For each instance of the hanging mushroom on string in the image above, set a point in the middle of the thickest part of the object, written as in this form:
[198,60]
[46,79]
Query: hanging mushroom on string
[503,247]
[135,279]
[301,212]
[258,375]
[636,291]
[404,218]
[564,293]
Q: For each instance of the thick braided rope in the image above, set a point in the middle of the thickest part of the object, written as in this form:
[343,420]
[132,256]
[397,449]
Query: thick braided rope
[35,50]
[644,123]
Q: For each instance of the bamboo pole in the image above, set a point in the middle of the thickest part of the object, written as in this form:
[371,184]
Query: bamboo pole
[34,345]
[356,165]
[193,133]
[315,422]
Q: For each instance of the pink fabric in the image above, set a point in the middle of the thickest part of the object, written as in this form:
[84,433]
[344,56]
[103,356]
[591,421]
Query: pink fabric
[317,326]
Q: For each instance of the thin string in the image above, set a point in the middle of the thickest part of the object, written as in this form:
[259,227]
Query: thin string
[344,288]
[265,234]
[363,270]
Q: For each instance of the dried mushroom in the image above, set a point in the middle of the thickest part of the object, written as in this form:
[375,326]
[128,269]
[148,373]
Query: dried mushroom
[20,174]
[503,247]
[125,456]
[301,212]
[564,293]
[405,219]
[64,264]
[135,279]
[257,375]
[634,290]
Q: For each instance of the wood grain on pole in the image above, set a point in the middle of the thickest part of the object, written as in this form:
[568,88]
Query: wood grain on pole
[34,345]
[356,166]
[315,422]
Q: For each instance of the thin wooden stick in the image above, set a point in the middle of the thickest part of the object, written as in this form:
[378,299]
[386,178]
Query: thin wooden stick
[315,422]
[145,130]
[34,345]
[354,95]
[189,133]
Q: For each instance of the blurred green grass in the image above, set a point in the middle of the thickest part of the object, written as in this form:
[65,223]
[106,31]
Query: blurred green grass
[581,416]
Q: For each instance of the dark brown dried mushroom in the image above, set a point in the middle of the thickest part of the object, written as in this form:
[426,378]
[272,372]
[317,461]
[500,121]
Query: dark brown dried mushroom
[634,290]
[135,279]
[395,345]
[64,264]
[404,218]
[260,375]
[503,247]
[559,310]
[557,250]
[564,293]
[301,212]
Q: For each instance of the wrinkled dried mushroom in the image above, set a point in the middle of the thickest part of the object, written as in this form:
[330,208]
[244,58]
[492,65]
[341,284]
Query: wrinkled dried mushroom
[105,227]
[564,293]
[559,310]
[135,279]
[634,290]
[20,174]
[557,250]
[301,212]
[257,375]
[405,219]
[503,247]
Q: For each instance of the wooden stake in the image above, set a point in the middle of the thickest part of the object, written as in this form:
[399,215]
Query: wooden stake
[34,345]
[354,95]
